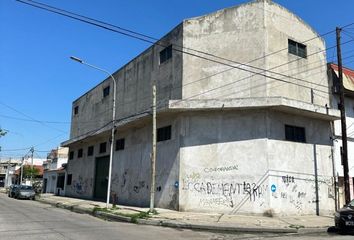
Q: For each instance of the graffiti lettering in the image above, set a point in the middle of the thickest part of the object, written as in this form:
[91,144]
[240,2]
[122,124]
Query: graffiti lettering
[221,169]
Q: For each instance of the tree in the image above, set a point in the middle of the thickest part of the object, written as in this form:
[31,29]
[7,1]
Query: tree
[28,171]
[2,132]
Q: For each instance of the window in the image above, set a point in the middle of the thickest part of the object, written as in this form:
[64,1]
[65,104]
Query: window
[76,110]
[166,54]
[71,155]
[106,91]
[295,134]
[103,147]
[90,151]
[120,144]
[164,133]
[69,179]
[297,49]
[79,153]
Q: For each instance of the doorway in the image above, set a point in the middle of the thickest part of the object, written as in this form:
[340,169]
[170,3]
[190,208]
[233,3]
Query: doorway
[101,178]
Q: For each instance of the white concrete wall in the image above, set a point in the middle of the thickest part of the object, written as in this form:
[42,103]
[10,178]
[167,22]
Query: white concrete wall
[131,167]
[229,162]
[243,34]
[303,70]
[134,87]
[51,181]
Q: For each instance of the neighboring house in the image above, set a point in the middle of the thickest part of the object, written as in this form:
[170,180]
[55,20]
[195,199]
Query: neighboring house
[229,141]
[348,83]
[26,180]
[7,171]
[54,172]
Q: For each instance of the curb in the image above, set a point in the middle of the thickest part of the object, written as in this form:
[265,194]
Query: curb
[166,223]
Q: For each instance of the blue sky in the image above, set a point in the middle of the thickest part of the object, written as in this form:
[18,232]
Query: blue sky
[39,82]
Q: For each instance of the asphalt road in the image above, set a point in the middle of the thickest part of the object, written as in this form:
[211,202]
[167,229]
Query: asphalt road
[25,219]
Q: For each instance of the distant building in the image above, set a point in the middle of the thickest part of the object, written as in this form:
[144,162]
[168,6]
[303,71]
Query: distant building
[54,171]
[348,83]
[230,140]
[7,171]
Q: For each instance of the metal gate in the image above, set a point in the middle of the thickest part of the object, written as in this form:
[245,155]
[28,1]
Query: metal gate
[101,177]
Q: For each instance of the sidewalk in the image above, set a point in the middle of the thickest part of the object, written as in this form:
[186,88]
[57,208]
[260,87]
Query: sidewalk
[192,220]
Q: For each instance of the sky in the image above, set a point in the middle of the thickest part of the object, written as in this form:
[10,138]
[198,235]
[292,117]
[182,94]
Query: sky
[38,81]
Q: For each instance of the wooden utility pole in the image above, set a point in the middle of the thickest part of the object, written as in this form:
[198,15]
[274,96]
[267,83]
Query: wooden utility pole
[153,150]
[343,119]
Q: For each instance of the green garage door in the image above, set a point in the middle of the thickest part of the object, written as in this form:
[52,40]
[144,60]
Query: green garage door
[101,177]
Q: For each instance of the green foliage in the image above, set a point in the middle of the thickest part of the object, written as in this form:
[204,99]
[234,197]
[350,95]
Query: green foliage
[28,171]
[2,132]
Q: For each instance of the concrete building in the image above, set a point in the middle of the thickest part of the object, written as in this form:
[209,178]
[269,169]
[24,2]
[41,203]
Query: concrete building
[7,171]
[232,138]
[348,83]
[54,171]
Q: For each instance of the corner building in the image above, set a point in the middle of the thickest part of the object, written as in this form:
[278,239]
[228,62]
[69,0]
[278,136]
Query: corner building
[230,139]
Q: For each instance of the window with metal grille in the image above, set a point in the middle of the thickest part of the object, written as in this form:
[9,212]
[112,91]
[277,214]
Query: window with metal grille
[106,91]
[295,134]
[103,147]
[166,54]
[90,151]
[164,133]
[120,144]
[297,49]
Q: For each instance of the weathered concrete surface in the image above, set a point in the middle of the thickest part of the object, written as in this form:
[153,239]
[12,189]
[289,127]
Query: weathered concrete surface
[230,162]
[195,220]
[243,146]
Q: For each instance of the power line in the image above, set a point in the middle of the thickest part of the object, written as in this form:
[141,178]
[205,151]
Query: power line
[143,36]
[31,118]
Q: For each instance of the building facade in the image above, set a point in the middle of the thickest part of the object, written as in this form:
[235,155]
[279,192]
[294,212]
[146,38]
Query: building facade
[54,172]
[231,138]
[348,83]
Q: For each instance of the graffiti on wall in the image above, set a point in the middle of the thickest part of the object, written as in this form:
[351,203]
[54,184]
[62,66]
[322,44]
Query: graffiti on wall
[221,192]
[81,186]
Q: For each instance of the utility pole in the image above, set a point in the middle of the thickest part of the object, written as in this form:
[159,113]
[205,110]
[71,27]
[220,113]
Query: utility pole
[343,119]
[153,152]
[21,177]
[32,150]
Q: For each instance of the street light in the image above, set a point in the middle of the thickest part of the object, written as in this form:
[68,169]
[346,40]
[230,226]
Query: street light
[113,121]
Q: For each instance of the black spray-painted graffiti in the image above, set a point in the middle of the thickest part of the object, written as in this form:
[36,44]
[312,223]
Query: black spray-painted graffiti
[288,179]
[139,186]
[221,169]
[253,190]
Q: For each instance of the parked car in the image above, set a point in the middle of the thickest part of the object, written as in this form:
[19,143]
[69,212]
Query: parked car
[344,217]
[24,192]
[11,191]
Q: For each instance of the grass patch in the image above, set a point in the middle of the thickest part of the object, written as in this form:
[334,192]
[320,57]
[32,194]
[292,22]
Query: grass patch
[133,216]
[296,226]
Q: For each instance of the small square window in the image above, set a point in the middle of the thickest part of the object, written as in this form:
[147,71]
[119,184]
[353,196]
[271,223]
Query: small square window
[297,49]
[295,134]
[79,153]
[166,54]
[69,179]
[71,155]
[76,110]
[90,151]
[103,147]
[164,133]
[120,144]
[106,91]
